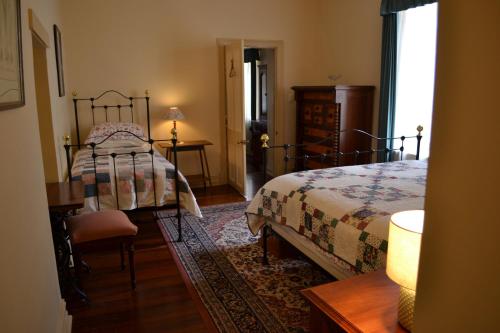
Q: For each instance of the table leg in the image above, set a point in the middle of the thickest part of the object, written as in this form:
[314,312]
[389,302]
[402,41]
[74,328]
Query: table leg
[203,170]
[208,169]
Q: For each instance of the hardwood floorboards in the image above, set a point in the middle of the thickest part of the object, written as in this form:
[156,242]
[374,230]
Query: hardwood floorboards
[161,302]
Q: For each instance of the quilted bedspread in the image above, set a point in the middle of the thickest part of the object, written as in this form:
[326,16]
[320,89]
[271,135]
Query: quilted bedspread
[346,210]
[125,187]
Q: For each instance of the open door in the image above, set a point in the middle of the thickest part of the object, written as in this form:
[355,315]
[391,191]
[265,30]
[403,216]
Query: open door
[235,121]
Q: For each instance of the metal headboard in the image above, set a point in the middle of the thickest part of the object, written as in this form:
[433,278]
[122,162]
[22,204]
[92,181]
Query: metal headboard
[94,106]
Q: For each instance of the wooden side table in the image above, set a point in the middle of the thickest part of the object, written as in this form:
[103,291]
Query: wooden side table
[364,303]
[64,196]
[199,146]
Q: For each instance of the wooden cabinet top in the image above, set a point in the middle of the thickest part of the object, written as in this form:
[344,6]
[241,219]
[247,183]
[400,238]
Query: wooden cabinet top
[65,195]
[186,144]
[330,88]
[365,303]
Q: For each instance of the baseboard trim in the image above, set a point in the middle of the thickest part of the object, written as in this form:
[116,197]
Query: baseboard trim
[65,320]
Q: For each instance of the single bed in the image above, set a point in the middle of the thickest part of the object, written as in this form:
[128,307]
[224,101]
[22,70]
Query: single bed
[118,188]
[339,217]
[118,164]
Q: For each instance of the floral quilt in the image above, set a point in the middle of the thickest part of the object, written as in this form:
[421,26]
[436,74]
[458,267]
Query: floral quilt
[131,193]
[346,210]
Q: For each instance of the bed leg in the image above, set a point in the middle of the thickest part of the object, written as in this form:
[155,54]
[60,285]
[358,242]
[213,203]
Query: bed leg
[179,228]
[265,235]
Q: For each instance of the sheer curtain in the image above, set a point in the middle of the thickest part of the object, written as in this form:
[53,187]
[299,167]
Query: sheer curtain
[247,76]
[417,28]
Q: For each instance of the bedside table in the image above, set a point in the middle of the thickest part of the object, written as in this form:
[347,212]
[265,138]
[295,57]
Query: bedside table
[364,303]
[199,146]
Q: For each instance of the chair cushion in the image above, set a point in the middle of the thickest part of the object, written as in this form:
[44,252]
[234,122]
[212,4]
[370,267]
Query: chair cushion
[100,225]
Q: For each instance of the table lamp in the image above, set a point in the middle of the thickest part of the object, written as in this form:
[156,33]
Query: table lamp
[405,233]
[174,113]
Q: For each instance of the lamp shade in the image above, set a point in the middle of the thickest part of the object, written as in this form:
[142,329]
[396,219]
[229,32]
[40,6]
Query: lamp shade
[405,233]
[173,113]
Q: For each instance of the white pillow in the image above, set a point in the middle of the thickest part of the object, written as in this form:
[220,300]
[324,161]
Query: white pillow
[103,131]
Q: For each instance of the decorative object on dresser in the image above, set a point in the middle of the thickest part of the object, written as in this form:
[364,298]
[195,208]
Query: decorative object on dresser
[175,114]
[322,111]
[405,234]
[365,303]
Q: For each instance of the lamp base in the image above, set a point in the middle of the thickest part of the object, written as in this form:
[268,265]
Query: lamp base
[406,307]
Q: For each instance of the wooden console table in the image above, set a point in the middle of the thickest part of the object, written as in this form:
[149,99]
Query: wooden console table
[364,303]
[199,146]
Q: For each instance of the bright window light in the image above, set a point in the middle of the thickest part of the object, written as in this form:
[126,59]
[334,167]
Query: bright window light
[417,30]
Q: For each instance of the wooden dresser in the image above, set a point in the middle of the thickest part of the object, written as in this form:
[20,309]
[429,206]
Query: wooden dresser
[324,110]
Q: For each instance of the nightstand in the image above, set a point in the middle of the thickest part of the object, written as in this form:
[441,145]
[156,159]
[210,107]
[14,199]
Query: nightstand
[199,146]
[364,303]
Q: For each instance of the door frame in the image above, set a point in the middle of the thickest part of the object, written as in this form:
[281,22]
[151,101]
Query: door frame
[278,135]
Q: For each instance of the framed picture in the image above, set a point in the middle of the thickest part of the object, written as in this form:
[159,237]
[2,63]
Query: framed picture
[11,55]
[59,62]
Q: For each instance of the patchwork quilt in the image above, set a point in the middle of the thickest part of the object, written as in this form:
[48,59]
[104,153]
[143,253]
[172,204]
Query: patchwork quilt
[346,210]
[117,180]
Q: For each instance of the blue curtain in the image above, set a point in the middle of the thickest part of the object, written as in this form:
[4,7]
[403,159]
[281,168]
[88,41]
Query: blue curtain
[393,6]
[389,9]
[388,81]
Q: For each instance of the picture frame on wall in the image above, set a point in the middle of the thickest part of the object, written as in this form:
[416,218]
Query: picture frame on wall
[59,61]
[11,56]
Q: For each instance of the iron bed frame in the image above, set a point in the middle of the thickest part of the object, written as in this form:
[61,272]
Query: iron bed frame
[133,153]
[385,154]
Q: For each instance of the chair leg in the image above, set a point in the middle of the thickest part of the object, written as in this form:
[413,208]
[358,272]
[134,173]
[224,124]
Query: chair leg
[131,250]
[77,262]
[122,256]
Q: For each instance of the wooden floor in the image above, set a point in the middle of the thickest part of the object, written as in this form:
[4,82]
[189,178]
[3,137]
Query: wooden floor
[161,302]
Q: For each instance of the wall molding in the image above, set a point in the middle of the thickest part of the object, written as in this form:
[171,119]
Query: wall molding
[38,29]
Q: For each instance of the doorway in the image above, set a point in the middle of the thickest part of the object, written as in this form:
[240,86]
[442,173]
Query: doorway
[44,110]
[259,109]
[254,101]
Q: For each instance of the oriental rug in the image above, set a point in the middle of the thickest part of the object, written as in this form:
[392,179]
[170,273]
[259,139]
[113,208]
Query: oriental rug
[222,260]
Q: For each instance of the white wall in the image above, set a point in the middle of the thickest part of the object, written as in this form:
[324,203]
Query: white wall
[351,43]
[29,288]
[169,47]
[458,287]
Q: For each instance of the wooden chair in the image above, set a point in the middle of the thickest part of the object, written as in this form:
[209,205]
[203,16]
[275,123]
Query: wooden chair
[95,231]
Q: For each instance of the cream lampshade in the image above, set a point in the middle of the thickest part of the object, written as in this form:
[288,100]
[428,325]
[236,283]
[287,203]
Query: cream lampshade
[405,232]
[174,113]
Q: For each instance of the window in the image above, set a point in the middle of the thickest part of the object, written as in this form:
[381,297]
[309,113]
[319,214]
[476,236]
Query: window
[417,28]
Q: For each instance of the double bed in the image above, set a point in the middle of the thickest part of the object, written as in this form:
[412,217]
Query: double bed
[339,217]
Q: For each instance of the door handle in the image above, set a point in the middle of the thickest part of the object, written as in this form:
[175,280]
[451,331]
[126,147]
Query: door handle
[243,142]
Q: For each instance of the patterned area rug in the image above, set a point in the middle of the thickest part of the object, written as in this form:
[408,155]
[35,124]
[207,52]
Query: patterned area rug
[223,261]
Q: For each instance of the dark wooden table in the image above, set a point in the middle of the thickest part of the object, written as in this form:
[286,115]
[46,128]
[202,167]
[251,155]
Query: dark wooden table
[64,198]
[365,303]
[198,145]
